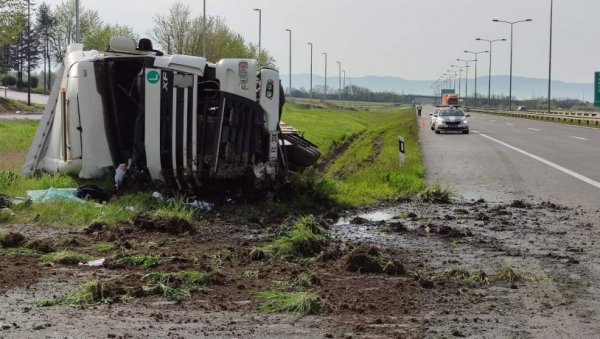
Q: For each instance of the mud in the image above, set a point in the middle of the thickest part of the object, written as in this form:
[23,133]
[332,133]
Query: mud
[147,222]
[12,239]
[406,270]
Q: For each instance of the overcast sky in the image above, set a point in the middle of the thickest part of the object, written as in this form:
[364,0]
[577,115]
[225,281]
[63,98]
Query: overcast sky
[405,38]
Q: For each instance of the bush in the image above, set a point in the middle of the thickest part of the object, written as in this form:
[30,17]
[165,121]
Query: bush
[9,80]
[35,81]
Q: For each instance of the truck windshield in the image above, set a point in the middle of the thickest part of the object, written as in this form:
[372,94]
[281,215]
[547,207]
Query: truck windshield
[451,113]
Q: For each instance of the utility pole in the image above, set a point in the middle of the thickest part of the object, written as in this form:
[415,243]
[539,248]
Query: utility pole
[344,86]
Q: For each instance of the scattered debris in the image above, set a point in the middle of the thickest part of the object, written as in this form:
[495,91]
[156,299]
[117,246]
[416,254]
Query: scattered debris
[148,222]
[12,239]
[202,205]
[69,194]
[94,263]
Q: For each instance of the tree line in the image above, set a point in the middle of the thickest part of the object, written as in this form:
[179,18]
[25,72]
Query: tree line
[52,30]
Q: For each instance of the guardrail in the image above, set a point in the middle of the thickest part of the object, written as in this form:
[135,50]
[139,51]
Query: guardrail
[573,118]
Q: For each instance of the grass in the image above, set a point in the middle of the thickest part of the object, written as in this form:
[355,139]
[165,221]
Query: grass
[88,293]
[66,257]
[364,173]
[305,239]
[15,140]
[145,261]
[299,303]
[18,251]
[177,285]
[437,194]
[101,247]
[11,106]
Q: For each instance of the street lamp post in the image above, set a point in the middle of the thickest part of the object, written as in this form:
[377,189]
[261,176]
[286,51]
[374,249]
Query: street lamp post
[325,54]
[476,54]
[550,58]
[490,69]
[77,22]
[344,86]
[460,69]
[311,69]
[466,80]
[204,29]
[289,30]
[259,30]
[512,24]
[340,79]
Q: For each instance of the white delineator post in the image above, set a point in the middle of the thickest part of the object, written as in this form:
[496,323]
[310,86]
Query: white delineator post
[401,150]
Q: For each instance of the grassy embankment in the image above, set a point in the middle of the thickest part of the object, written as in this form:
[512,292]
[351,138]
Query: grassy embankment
[11,106]
[359,166]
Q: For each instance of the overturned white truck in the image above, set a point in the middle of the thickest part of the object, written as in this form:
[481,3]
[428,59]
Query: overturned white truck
[177,119]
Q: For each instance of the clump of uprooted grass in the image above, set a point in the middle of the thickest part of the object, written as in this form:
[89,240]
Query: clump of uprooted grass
[299,303]
[437,194]
[145,261]
[462,277]
[179,285]
[306,239]
[66,257]
[370,259]
[88,293]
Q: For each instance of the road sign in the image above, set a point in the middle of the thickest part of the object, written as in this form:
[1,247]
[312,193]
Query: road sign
[448,91]
[597,90]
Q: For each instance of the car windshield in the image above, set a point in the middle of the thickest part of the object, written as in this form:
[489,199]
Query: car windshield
[451,113]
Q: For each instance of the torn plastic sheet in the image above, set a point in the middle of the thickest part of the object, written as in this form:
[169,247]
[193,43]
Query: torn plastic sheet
[94,263]
[52,193]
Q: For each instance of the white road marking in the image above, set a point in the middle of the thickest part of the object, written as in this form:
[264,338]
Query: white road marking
[578,138]
[534,129]
[509,124]
[544,161]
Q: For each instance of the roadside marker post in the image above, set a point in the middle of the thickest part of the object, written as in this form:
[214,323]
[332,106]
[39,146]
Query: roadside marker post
[401,150]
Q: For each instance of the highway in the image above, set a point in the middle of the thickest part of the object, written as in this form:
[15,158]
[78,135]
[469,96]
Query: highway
[22,96]
[505,159]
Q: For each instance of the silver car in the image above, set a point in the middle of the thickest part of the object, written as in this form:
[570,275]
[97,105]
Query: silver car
[451,119]
[433,118]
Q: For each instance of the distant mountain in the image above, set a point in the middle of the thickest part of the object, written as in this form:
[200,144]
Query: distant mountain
[523,88]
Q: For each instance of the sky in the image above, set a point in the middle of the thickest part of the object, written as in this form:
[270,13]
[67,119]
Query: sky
[416,40]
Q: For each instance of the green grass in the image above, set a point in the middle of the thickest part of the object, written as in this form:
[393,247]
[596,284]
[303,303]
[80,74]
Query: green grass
[364,174]
[15,140]
[437,194]
[299,303]
[101,247]
[11,106]
[18,251]
[145,261]
[66,257]
[177,285]
[305,239]
[88,293]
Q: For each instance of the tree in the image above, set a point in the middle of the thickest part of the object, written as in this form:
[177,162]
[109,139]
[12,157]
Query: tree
[12,20]
[100,39]
[179,33]
[44,27]
[64,32]
[19,49]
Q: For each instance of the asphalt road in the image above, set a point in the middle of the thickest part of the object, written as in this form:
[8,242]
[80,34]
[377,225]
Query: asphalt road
[505,159]
[22,96]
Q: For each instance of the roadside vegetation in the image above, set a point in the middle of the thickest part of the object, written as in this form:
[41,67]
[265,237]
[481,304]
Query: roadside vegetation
[12,106]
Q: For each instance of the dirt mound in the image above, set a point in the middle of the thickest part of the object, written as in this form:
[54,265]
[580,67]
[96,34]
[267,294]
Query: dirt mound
[147,222]
[369,259]
[396,227]
[331,253]
[520,204]
[41,245]
[12,239]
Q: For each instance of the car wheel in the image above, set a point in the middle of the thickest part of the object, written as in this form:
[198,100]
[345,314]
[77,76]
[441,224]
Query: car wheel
[437,132]
[432,128]
[465,132]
